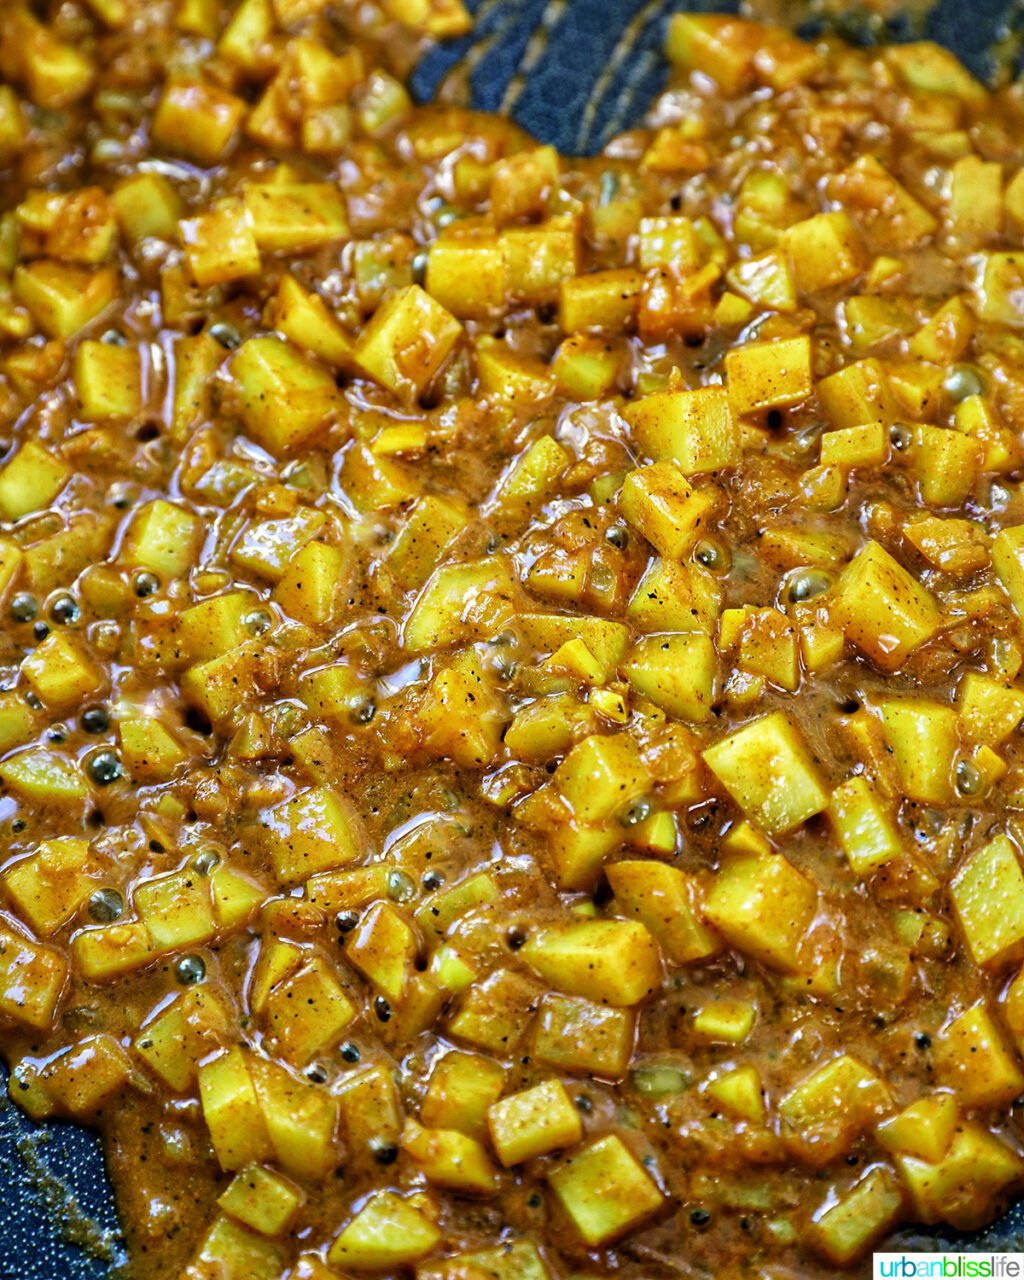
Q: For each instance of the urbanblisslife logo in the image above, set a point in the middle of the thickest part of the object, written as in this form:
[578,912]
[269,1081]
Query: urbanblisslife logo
[947,1266]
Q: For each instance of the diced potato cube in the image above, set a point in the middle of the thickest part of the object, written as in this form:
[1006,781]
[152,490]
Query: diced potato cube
[824,1114]
[31,481]
[675,597]
[669,903]
[176,909]
[668,242]
[512,1260]
[892,218]
[883,609]
[232,1112]
[606,640]
[163,538]
[716,45]
[605,1191]
[407,341]
[825,251]
[430,528]
[222,685]
[462,714]
[460,602]
[448,1158]
[63,299]
[197,120]
[312,831]
[506,374]
[925,1128]
[769,375]
[763,906]
[989,709]
[246,36]
[112,950]
[766,280]
[961,1187]
[588,366]
[235,897]
[48,887]
[61,672]
[959,547]
[108,380]
[41,776]
[230,1251]
[922,740]
[866,446]
[583,1037]
[286,397]
[300,1119]
[739,1093]
[267,547]
[535,471]
[295,217]
[371,1110]
[1008,563]
[261,1199]
[466,274]
[616,962]
[769,771]
[220,245]
[863,826]
[725,1021]
[523,183]
[496,1012]
[82,1078]
[845,1229]
[695,429]
[1000,289]
[665,508]
[383,948]
[11,560]
[858,395]
[988,896]
[946,464]
[947,335]
[147,206]
[213,627]
[440,911]
[196,360]
[173,1043]
[534,1122]
[973,1059]
[307,1012]
[305,319]
[56,73]
[388,1232]
[461,1088]
[996,446]
[602,775]
[539,258]
[314,586]
[32,979]
[676,672]
[871,322]
[600,300]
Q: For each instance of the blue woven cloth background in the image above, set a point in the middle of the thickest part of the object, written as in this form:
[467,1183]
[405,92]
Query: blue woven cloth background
[614,47]
[603,50]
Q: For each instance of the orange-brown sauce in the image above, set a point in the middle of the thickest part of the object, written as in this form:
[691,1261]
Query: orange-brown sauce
[271,724]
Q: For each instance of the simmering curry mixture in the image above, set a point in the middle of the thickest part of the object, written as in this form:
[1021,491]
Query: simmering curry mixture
[512,665]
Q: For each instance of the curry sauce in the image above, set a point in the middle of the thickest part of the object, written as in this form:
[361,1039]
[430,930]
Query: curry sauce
[511,664]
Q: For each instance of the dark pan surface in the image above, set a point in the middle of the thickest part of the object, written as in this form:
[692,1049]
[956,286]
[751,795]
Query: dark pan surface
[601,52]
